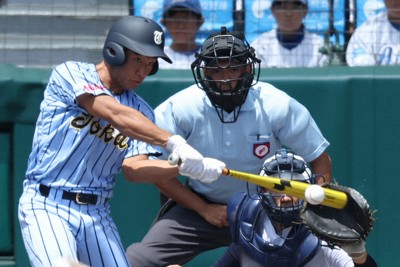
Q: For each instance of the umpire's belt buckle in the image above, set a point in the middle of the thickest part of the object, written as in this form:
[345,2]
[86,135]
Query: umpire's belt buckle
[81,199]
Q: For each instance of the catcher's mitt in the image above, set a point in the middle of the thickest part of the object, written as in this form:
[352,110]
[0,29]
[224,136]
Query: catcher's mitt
[344,226]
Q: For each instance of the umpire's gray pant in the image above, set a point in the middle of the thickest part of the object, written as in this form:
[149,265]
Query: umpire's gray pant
[176,237]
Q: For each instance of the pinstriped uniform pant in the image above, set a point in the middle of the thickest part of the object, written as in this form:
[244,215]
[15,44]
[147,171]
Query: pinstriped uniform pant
[53,227]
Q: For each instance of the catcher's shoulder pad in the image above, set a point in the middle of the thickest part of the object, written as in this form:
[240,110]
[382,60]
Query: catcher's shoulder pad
[349,225]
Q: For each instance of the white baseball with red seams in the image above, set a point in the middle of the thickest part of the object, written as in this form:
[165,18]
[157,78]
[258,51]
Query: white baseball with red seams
[314,194]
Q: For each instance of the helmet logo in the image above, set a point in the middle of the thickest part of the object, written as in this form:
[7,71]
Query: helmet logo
[158,37]
[261,150]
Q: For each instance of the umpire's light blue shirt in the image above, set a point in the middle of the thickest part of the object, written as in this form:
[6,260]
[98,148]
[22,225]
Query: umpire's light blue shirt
[268,119]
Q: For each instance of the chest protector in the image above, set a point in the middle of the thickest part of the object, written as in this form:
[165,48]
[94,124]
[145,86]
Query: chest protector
[248,223]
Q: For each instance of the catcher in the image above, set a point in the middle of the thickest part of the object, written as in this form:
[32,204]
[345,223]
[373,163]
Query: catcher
[268,228]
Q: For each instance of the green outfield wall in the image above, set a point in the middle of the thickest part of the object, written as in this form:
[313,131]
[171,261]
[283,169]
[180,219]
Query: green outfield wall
[356,108]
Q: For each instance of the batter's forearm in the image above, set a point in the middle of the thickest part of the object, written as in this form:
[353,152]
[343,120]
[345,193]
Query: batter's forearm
[148,171]
[127,120]
[135,125]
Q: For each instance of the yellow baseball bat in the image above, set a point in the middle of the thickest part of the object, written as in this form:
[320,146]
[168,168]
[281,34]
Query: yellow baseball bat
[333,198]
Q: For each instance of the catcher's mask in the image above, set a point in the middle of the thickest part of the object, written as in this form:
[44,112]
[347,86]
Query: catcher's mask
[284,165]
[226,51]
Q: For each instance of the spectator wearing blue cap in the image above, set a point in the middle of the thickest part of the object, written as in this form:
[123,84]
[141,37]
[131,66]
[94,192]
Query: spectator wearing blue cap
[182,20]
[290,44]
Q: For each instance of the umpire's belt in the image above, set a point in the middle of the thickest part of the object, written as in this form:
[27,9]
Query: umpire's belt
[79,198]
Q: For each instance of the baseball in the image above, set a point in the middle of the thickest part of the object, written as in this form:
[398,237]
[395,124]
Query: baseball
[314,194]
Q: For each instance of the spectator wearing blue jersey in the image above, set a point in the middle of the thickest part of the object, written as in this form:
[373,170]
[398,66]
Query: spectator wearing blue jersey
[290,44]
[227,114]
[91,127]
[377,41]
[182,20]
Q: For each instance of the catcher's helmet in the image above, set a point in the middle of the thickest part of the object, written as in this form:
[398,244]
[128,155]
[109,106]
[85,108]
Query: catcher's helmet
[138,34]
[233,50]
[284,165]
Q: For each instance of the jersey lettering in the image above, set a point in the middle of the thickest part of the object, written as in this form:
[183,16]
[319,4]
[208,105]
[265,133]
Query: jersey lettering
[107,133]
[389,55]
[93,87]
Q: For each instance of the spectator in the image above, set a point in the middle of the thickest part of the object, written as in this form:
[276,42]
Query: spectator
[229,116]
[377,41]
[290,44]
[182,20]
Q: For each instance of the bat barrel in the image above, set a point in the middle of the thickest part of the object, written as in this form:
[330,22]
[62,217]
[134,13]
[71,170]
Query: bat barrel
[333,198]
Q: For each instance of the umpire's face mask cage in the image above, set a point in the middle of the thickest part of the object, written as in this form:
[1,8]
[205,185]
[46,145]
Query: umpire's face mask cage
[226,52]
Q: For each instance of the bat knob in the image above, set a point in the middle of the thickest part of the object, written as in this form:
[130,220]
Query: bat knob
[173,159]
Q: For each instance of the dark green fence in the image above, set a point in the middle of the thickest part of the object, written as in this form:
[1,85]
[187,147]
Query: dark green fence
[357,109]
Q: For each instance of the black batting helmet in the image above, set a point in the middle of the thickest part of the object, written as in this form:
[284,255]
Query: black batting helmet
[138,34]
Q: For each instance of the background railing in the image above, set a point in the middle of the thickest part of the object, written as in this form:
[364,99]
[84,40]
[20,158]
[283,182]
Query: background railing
[47,32]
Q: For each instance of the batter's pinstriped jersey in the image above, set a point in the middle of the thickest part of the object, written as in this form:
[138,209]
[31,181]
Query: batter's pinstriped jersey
[72,149]
[74,152]
[268,119]
[376,42]
[305,54]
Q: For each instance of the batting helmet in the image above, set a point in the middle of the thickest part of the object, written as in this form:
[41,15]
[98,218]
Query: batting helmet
[138,34]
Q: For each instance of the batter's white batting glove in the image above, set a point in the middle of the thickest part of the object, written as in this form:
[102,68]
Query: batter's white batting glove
[191,161]
[355,250]
[212,169]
